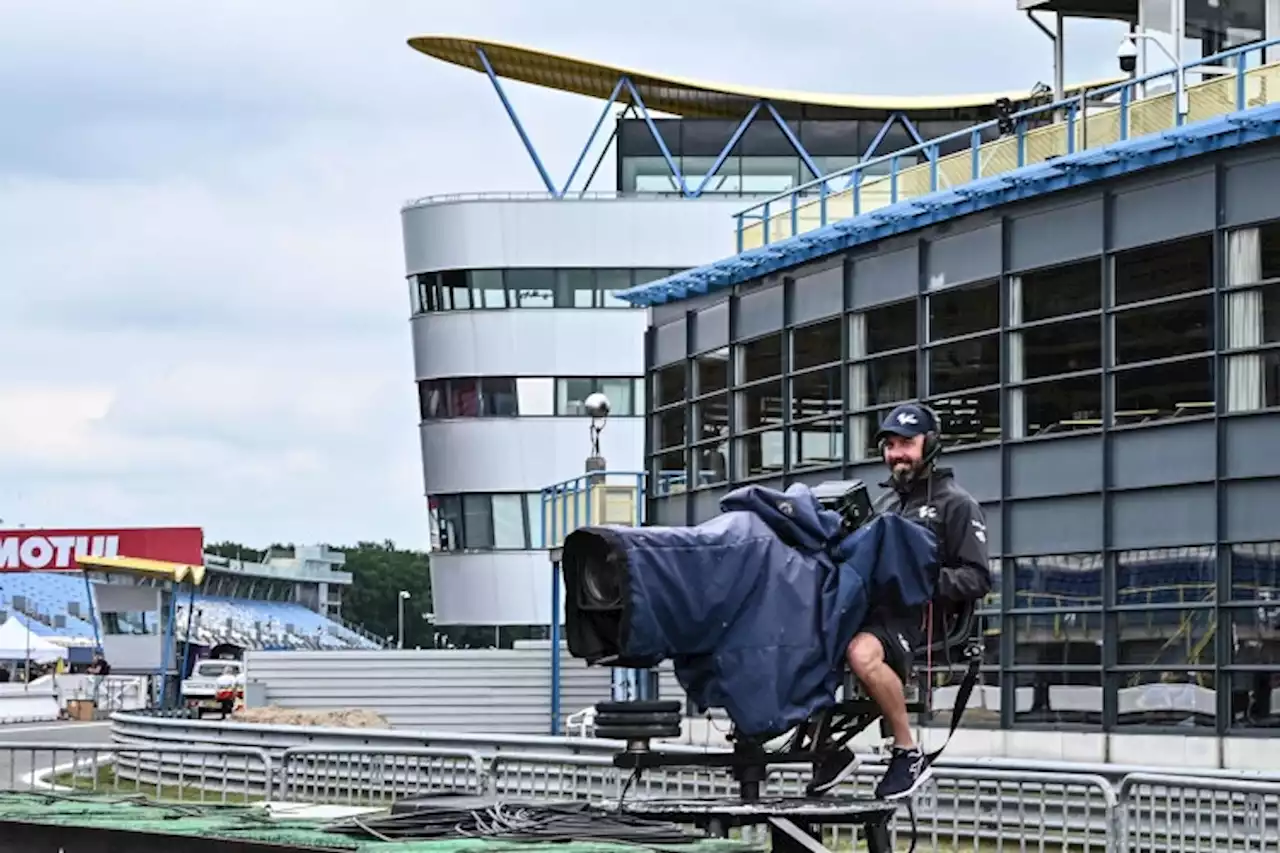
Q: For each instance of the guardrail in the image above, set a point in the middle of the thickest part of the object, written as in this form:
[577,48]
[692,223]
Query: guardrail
[959,807]
[1034,138]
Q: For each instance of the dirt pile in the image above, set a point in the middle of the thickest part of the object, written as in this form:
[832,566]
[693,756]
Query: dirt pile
[352,718]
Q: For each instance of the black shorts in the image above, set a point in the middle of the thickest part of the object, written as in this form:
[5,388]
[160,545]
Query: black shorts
[899,634]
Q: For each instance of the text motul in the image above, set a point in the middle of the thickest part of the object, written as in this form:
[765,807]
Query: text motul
[53,552]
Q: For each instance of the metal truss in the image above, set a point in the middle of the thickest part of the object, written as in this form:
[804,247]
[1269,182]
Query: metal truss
[636,103]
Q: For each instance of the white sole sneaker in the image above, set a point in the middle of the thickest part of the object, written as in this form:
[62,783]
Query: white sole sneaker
[915,786]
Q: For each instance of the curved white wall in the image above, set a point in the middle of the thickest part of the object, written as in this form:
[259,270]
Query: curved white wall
[521,454]
[525,454]
[611,232]
[501,587]
[530,342]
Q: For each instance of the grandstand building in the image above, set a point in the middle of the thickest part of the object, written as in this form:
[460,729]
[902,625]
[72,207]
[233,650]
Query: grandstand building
[1093,308]
[292,600]
[515,315]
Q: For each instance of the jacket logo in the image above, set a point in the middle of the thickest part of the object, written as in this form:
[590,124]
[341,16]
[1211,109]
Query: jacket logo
[929,512]
[786,508]
[979,530]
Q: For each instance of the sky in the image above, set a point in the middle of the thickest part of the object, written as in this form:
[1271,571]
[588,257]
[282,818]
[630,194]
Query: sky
[203,312]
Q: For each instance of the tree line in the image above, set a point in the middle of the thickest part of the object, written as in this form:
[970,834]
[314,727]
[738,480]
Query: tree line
[379,570]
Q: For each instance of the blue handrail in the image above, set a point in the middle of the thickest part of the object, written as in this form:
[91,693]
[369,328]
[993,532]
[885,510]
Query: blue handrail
[931,149]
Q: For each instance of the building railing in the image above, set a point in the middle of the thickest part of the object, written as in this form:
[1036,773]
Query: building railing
[1027,137]
[959,807]
[543,195]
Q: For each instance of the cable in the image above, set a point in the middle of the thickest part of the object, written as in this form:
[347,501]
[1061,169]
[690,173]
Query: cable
[516,822]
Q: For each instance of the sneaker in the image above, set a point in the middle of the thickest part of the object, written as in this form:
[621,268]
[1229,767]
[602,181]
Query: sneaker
[832,770]
[907,771]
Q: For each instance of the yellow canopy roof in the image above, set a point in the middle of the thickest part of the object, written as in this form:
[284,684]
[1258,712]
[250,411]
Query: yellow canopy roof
[179,572]
[689,98]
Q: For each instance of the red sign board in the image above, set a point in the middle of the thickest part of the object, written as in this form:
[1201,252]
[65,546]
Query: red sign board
[57,550]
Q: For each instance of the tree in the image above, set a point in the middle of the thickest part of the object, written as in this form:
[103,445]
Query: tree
[379,571]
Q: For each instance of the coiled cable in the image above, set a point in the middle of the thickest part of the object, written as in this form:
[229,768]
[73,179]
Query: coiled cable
[511,821]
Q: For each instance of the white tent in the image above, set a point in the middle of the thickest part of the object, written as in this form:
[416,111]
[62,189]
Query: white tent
[18,643]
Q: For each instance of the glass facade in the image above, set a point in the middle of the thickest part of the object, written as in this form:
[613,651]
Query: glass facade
[526,396]
[485,521]
[473,290]
[763,160]
[1106,409]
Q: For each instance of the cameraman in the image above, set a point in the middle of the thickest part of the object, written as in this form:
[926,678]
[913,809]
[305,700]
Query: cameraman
[880,654]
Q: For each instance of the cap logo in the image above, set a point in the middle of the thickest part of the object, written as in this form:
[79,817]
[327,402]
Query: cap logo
[905,418]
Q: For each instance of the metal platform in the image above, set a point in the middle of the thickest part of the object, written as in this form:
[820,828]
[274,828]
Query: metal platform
[795,823]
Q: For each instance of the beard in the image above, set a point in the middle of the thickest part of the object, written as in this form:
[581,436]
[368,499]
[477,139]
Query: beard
[903,474]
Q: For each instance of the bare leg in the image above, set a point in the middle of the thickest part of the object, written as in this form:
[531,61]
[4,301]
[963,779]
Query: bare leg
[866,659]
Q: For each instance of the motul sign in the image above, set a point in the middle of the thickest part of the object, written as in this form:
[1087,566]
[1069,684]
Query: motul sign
[52,550]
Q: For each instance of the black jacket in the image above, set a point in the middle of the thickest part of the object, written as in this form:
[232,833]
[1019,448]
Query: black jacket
[956,519]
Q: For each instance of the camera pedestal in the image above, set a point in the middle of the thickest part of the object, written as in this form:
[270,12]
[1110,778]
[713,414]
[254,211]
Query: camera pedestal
[795,823]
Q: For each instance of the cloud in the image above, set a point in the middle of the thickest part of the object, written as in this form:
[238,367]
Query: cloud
[202,304]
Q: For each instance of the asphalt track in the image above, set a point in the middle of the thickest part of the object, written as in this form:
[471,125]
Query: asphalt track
[18,757]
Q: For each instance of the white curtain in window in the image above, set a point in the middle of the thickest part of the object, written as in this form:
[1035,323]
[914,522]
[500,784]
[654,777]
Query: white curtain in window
[1245,381]
[858,400]
[1017,362]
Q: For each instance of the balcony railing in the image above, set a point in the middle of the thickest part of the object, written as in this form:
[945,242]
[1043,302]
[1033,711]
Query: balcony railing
[1092,119]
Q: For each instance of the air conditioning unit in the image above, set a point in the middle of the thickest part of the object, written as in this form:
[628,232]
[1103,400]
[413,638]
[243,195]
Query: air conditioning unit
[60,621]
[20,603]
[74,608]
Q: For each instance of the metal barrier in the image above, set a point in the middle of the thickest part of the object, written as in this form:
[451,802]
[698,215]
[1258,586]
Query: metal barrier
[355,776]
[969,807]
[195,773]
[1166,812]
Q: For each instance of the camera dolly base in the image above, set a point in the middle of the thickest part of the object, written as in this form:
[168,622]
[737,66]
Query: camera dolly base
[795,823]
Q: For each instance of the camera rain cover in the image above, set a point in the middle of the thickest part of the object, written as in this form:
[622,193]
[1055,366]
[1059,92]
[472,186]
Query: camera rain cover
[754,608]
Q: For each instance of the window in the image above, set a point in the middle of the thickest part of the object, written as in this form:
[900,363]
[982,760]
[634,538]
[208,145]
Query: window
[882,341]
[668,384]
[498,397]
[465,290]
[487,522]
[464,398]
[509,396]
[759,359]
[711,371]
[964,361]
[530,288]
[572,393]
[889,327]
[1056,322]
[509,522]
[1163,311]
[1252,318]
[535,396]
[964,311]
[816,344]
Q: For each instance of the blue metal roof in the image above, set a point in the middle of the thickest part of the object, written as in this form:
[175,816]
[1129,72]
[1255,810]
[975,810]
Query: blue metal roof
[1071,170]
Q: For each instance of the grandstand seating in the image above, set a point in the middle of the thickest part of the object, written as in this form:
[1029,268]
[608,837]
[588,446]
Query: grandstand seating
[48,599]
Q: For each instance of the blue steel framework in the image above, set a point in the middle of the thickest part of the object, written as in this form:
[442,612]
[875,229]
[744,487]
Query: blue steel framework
[624,91]
[1074,169]
[576,494]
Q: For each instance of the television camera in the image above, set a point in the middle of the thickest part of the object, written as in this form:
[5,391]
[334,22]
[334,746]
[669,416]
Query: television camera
[597,619]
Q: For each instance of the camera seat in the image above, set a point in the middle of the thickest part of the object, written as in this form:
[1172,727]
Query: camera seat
[813,740]
[955,632]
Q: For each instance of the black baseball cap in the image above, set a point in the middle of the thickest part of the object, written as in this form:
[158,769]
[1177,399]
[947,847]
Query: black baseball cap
[908,420]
